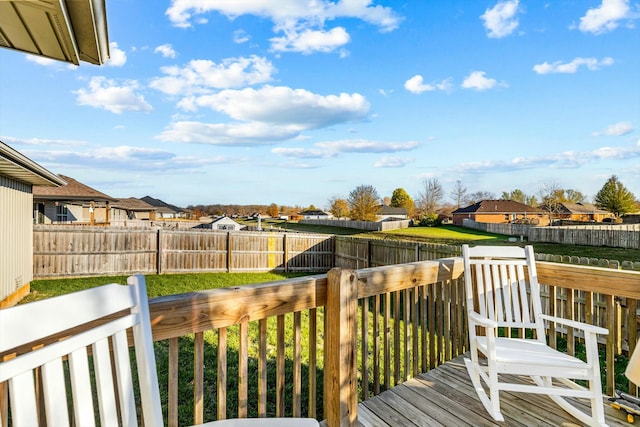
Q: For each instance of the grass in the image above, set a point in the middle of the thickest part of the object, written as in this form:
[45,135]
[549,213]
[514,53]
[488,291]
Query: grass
[167,284]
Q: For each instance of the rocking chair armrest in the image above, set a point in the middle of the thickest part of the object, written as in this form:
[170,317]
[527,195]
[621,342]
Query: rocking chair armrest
[481,320]
[574,324]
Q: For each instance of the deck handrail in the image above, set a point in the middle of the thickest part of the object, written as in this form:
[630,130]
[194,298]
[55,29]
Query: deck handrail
[403,289]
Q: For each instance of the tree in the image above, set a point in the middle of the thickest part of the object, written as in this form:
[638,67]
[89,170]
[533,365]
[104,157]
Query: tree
[574,196]
[338,207]
[614,197]
[364,203]
[273,210]
[401,199]
[479,196]
[516,195]
[430,197]
[459,194]
[551,196]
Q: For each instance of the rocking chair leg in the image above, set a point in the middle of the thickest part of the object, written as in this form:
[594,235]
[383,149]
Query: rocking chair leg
[491,405]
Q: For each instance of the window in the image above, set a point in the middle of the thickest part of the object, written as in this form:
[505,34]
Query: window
[62,213]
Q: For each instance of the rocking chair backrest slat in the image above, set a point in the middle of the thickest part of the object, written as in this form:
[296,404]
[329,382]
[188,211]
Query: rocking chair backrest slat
[114,309]
[504,288]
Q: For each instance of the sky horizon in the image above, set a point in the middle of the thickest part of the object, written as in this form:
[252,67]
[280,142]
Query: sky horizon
[257,102]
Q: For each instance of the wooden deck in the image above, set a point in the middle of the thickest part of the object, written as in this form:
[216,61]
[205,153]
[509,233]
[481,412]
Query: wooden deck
[445,397]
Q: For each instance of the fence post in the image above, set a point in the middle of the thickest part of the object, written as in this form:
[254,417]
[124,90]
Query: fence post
[340,375]
[159,251]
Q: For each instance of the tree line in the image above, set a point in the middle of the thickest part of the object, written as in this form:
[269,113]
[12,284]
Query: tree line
[363,202]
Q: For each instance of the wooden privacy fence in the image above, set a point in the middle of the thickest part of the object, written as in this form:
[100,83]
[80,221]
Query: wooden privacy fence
[86,251]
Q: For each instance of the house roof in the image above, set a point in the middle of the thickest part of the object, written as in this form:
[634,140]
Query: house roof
[72,190]
[69,31]
[133,204]
[161,205]
[582,208]
[497,207]
[388,210]
[313,212]
[20,168]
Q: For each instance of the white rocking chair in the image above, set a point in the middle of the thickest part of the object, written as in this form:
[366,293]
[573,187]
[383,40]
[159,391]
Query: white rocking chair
[35,338]
[502,292]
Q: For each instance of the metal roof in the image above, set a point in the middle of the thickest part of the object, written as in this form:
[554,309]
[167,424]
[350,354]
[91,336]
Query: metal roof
[66,30]
[20,168]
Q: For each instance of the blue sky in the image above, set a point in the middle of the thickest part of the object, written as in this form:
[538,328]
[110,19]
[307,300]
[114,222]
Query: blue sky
[296,102]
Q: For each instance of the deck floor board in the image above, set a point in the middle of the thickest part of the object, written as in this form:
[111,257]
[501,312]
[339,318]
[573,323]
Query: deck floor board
[445,397]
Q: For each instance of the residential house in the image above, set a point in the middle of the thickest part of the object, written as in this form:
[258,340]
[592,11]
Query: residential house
[223,223]
[582,212]
[132,209]
[165,210]
[500,212]
[388,213]
[314,214]
[18,176]
[72,203]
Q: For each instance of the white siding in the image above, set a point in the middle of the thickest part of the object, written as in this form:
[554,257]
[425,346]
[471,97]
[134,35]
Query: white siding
[16,235]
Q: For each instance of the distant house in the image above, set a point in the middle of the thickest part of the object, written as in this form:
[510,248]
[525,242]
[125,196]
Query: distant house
[72,203]
[132,209]
[18,176]
[387,213]
[315,214]
[165,210]
[500,212]
[223,223]
[583,212]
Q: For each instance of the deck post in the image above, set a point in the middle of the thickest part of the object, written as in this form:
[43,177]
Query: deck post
[340,375]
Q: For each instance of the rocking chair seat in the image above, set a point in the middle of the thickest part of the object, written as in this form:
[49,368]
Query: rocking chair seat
[532,357]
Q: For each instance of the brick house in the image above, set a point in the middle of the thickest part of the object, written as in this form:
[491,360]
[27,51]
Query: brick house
[500,212]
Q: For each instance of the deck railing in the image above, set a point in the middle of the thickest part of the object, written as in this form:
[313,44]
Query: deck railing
[367,330]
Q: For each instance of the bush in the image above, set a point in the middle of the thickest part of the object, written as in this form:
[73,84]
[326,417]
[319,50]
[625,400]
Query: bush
[430,220]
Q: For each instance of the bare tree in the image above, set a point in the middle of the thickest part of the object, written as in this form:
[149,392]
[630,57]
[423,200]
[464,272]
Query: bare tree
[479,196]
[551,198]
[431,196]
[459,194]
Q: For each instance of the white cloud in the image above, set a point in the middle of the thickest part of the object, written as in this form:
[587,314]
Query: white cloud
[240,36]
[281,105]
[367,146]
[202,76]
[392,162]
[166,50]
[125,158]
[477,80]
[329,149]
[618,129]
[309,41]
[416,85]
[605,17]
[301,21]
[104,93]
[230,134]
[562,160]
[572,67]
[117,56]
[501,20]
[42,141]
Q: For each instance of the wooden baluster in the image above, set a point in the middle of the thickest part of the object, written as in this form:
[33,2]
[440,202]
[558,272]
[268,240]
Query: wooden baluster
[280,367]
[297,366]
[198,378]
[262,368]
[172,418]
[222,373]
[313,348]
[243,368]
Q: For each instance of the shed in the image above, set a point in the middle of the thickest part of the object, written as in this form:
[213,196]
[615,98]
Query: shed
[223,223]
[18,175]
